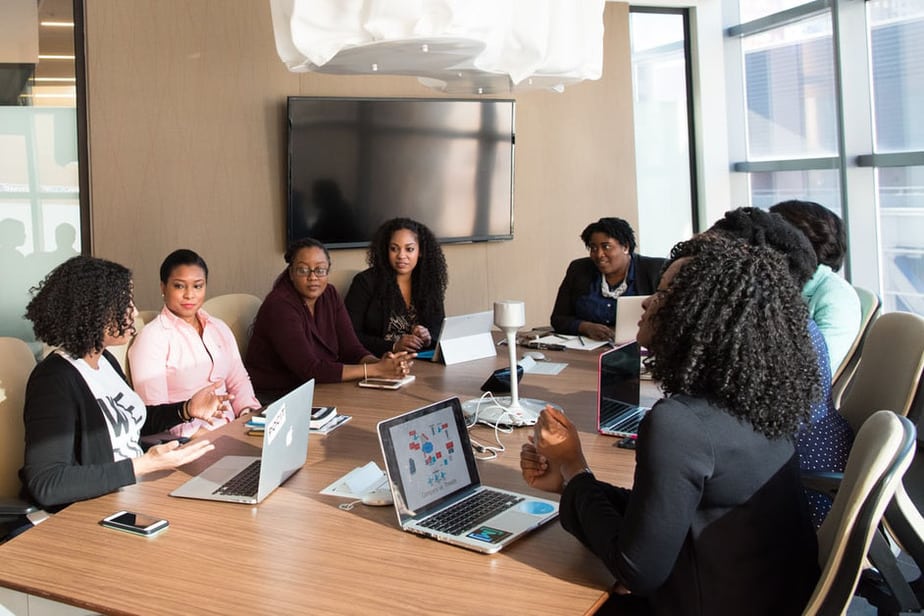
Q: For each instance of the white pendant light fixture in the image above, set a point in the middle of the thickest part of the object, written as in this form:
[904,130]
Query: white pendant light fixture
[472,46]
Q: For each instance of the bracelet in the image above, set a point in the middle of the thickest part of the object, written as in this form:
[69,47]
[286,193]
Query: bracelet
[365,372]
[584,471]
[185,412]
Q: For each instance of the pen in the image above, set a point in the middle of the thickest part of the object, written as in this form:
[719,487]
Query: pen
[560,337]
[581,340]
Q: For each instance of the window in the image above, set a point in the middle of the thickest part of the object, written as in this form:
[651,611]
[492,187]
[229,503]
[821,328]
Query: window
[661,95]
[831,98]
[40,210]
[896,32]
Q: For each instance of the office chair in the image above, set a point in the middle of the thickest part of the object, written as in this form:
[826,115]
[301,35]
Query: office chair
[238,311]
[342,279]
[870,307]
[147,316]
[121,352]
[16,364]
[880,455]
[889,369]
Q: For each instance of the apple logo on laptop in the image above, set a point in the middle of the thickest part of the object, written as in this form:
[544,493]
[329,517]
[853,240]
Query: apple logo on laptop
[289,437]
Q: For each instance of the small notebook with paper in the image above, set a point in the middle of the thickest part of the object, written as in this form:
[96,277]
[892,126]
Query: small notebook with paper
[618,410]
[437,492]
[250,479]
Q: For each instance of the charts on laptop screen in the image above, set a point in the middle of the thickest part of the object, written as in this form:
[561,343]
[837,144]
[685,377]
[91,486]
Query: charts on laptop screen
[430,456]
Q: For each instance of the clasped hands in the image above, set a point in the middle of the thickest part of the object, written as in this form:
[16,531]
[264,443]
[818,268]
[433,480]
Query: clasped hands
[553,454]
[418,339]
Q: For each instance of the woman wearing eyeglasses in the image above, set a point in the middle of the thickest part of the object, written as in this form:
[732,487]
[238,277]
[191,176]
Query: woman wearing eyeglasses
[303,331]
[397,304]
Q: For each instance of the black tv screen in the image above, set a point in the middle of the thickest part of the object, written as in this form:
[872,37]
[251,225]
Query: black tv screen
[356,162]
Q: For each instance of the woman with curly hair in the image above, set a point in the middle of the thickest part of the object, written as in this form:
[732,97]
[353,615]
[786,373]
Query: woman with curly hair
[397,304]
[586,300]
[716,522]
[824,442]
[83,422]
[832,302]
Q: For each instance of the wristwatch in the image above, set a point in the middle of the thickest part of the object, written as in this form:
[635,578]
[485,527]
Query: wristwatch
[584,471]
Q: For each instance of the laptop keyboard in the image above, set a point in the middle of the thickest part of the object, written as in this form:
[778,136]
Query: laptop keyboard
[620,417]
[245,483]
[471,512]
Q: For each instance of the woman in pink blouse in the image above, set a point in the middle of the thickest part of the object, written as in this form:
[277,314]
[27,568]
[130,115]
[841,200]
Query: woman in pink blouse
[184,348]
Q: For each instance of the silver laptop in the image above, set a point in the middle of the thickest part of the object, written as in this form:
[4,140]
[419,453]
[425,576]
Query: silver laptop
[250,479]
[465,337]
[628,312]
[434,482]
[618,410]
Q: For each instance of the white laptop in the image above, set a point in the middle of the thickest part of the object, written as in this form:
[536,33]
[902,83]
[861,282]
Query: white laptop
[465,337]
[250,479]
[618,410]
[628,312]
[435,485]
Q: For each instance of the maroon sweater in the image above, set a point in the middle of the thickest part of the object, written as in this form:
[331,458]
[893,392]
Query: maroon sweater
[289,345]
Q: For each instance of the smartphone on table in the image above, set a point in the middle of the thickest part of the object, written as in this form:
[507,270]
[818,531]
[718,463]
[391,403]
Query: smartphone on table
[135,523]
[386,383]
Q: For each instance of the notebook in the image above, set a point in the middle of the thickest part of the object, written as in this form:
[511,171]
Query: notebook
[250,479]
[618,410]
[628,312]
[435,485]
[465,337]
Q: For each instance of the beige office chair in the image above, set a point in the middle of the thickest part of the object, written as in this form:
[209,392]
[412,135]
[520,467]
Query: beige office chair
[16,363]
[889,369]
[121,352]
[342,279]
[147,316]
[870,307]
[238,311]
[879,458]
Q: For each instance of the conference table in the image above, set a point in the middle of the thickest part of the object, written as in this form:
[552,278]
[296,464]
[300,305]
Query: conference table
[298,552]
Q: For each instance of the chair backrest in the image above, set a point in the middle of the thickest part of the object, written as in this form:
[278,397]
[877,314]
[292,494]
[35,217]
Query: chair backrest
[870,307]
[889,369]
[238,310]
[342,279]
[16,363]
[147,316]
[880,455]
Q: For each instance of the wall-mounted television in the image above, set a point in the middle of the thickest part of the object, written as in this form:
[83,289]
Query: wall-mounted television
[357,162]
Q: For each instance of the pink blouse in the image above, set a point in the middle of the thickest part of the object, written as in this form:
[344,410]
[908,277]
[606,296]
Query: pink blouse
[169,362]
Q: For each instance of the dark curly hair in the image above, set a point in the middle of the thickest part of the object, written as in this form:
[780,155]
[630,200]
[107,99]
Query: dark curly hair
[429,278]
[182,256]
[79,302]
[761,228]
[824,229]
[731,328]
[616,228]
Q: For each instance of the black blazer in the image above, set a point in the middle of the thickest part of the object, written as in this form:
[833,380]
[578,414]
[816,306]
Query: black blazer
[364,302]
[580,275]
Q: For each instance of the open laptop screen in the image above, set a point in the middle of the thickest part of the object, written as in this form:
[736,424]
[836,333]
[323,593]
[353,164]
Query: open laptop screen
[431,452]
[619,374]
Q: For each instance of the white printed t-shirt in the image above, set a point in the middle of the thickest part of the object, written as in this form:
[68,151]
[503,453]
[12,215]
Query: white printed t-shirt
[122,408]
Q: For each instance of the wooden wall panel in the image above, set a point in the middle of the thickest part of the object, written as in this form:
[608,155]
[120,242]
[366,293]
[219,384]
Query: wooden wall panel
[187,145]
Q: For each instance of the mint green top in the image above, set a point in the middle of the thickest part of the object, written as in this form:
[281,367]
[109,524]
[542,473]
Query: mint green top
[835,308]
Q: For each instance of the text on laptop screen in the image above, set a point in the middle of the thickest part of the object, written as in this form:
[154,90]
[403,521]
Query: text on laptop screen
[429,456]
[619,374]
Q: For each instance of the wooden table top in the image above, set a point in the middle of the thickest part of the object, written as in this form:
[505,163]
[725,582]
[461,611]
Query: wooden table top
[297,552]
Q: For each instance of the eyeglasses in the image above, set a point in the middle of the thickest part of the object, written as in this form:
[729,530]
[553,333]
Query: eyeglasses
[305,272]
